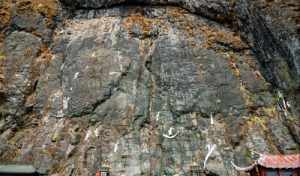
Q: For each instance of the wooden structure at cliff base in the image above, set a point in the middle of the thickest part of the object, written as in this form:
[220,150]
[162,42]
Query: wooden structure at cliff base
[273,165]
[18,170]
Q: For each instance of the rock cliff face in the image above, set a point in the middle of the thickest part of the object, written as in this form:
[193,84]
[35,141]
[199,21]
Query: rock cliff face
[144,87]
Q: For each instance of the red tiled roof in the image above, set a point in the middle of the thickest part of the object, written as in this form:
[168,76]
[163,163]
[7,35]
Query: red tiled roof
[273,161]
[279,161]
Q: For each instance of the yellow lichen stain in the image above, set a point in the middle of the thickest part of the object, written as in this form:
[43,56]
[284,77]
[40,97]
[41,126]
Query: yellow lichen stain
[270,111]
[2,56]
[246,95]
[234,67]
[258,75]
[46,54]
[260,121]
[28,52]
[182,20]
[214,36]
[176,13]
[47,8]
[145,24]
[5,12]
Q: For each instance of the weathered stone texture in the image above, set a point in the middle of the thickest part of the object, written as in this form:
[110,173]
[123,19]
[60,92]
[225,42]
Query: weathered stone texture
[146,89]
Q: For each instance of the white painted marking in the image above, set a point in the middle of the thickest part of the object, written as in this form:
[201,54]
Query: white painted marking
[66,103]
[116,147]
[171,131]
[211,119]
[60,113]
[96,132]
[211,148]
[88,134]
[157,116]
[119,60]
[170,134]
[76,75]
[62,66]
[114,73]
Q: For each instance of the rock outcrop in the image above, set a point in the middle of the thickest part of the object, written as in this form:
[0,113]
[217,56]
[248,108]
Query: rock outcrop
[145,87]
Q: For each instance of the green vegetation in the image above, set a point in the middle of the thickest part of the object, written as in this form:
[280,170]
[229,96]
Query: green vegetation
[2,56]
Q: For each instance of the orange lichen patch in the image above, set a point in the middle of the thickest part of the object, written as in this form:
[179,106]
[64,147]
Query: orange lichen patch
[28,52]
[9,155]
[145,24]
[222,37]
[258,74]
[47,8]
[233,65]
[176,12]
[235,68]
[211,35]
[46,54]
[189,29]
[44,59]
[5,12]
[51,151]
[30,100]
[40,62]
[251,61]
[183,22]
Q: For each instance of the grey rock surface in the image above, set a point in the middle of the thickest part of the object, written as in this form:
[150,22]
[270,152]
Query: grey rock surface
[275,39]
[144,87]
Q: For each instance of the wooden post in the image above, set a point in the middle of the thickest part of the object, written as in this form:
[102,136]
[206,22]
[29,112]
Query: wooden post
[259,170]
